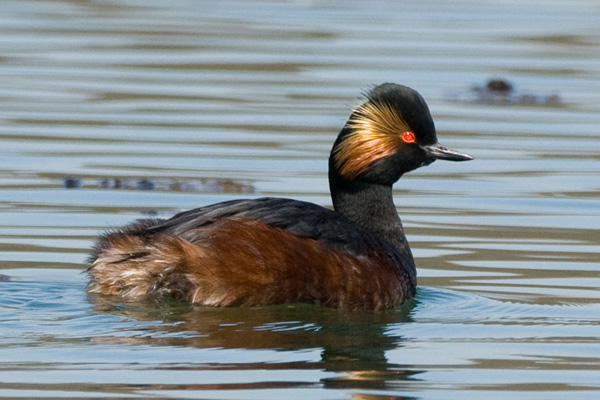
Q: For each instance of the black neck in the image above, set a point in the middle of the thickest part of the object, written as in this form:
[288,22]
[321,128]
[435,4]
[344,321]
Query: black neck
[371,206]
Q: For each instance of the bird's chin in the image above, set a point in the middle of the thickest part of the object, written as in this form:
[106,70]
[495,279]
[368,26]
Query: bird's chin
[427,161]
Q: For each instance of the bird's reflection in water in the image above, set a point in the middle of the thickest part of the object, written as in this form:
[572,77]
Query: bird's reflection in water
[351,344]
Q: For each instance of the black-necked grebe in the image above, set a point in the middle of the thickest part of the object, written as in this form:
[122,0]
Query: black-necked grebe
[272,250]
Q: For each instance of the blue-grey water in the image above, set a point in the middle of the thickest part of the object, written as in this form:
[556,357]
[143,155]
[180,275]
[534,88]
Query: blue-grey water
[116,110]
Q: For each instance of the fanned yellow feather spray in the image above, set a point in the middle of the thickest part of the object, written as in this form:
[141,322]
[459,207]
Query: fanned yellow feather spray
[376,132]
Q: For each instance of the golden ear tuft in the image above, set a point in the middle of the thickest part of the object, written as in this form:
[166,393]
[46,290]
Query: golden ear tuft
[376,131]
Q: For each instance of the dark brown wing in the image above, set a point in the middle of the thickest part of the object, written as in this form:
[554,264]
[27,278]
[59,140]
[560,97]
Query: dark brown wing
[300,218]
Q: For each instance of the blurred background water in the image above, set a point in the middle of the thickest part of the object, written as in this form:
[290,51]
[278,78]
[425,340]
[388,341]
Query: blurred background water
[116,110]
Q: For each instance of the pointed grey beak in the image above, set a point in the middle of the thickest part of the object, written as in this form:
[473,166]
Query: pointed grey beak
[440,152]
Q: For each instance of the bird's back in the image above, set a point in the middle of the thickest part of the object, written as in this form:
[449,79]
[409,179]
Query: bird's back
[253,252]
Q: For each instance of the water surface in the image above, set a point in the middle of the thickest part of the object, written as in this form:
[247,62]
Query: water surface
[112,111]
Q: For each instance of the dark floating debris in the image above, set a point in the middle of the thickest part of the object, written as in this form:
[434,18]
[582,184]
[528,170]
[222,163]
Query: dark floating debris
[499,85]
[203,185]
[145,185]
[72,182]
[4,278]
[499,91]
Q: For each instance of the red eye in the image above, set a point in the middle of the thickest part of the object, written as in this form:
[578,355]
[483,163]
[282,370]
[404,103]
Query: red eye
[408,137]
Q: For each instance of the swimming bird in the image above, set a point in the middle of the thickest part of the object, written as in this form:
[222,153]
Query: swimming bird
[276,250]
